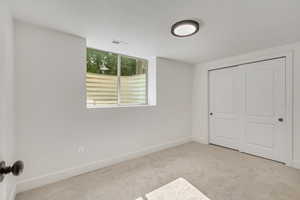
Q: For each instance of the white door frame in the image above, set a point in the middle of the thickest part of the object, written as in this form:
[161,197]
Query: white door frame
[288,158]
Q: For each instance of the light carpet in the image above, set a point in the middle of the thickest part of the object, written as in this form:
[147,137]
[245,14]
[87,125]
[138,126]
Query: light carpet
[219,173]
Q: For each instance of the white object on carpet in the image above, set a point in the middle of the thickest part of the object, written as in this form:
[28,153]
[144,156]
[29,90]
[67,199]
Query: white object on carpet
[180,189]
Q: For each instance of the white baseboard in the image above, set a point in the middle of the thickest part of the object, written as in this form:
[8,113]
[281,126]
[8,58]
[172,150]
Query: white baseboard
[67,173]
[296,164]
[200,140]
[12,194]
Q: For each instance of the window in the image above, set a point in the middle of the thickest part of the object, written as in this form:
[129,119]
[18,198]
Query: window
[115,80]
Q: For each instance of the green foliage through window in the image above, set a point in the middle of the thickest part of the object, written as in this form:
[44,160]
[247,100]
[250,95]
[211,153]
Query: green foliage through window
[102,62]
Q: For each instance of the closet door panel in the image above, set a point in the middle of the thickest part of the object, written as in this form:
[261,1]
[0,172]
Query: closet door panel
[264,98]
[224,101]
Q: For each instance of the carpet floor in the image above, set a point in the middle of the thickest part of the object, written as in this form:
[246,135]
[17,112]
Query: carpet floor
[219,173]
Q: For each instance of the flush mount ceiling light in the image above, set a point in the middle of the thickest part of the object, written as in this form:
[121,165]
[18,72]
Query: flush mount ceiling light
[185,28]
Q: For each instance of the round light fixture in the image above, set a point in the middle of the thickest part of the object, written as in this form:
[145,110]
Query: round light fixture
[185,28]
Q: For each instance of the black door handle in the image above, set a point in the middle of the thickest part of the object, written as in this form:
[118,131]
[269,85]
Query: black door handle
[280,119]
[16,169]
[210,113]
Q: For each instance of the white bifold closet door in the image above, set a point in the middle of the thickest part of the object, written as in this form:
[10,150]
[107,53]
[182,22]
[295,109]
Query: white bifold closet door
[247,108]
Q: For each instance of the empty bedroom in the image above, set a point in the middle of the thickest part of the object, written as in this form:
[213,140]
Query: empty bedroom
[149,100]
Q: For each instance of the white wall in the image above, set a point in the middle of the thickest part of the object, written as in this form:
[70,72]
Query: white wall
[200,109]
[7,137]
[53,122]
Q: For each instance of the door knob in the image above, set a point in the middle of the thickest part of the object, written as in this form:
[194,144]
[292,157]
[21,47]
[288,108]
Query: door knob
[280,119]
[211,113]
[16,169]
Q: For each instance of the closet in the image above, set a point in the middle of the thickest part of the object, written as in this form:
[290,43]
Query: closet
[247,108]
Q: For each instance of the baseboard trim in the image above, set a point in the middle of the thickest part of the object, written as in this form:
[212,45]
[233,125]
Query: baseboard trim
[67,173]
[199,140]
[296,164]
[12,194]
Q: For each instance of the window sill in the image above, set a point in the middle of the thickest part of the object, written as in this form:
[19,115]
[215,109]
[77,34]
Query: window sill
[119,106]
